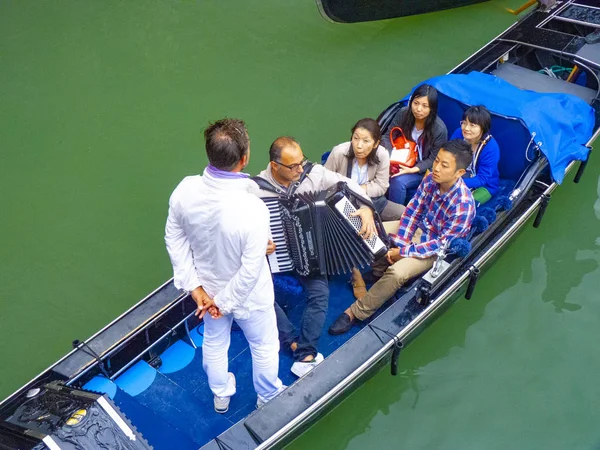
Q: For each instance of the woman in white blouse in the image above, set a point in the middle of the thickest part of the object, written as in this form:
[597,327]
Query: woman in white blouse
[365,161]
[368,163]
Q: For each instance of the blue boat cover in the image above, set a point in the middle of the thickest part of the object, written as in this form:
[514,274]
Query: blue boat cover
[562,123]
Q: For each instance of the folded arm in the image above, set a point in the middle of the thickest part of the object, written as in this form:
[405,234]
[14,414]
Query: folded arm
[457,225]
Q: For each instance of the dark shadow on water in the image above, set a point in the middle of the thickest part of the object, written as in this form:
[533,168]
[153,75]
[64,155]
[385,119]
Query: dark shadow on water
[568,235]
[383,390]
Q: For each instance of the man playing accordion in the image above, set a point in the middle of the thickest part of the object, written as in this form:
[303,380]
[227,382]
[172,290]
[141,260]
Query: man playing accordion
[288,170]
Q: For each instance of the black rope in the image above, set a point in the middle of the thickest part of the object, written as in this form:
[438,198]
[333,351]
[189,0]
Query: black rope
[396,350]
[222,445]
[396,339]
[78,345]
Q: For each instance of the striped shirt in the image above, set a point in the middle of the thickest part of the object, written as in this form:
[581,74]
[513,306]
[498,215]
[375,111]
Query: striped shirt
[440,216]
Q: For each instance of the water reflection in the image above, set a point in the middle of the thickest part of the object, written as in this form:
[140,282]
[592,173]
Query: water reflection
[597,204]
[543,265]
[417,367]
[568,256]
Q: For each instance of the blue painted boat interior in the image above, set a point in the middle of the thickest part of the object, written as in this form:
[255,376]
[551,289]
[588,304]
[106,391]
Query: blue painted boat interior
[172,406]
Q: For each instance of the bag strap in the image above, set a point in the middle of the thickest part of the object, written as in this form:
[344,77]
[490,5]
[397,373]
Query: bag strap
[482,144]
[392,134]
[349,168]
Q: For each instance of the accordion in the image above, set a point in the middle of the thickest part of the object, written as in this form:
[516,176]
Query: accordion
[315,233]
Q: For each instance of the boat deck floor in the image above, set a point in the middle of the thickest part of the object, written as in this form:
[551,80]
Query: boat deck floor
[172,406]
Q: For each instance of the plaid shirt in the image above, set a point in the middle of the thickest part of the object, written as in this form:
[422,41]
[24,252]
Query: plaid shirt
[440,217]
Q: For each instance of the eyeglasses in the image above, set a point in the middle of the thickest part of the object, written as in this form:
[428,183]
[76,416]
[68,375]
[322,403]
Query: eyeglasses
[293,166]
[472,126]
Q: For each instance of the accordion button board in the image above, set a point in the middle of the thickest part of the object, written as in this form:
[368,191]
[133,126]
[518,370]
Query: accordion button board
[346,210]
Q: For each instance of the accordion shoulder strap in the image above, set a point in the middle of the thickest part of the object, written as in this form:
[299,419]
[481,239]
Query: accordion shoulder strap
[306,170]
[265,185]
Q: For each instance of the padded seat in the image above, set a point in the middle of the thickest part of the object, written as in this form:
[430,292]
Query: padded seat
[506,186]
[591,52]
[534,81]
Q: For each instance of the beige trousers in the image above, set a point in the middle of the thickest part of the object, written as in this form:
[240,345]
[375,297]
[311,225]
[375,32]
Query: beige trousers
[393,278]
[391,227]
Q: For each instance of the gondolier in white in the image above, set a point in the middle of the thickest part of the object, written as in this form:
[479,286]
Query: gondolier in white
[216,236]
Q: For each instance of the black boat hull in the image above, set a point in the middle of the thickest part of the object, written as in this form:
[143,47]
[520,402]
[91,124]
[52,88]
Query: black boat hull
[352,11]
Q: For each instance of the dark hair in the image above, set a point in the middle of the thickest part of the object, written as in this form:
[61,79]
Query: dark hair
[373,128]
[479,115]
[461,151]
[407,121]
[226,142]
[278,145]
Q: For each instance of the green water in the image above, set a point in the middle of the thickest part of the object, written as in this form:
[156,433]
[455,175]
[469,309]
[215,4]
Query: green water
[102,105]
[515,367]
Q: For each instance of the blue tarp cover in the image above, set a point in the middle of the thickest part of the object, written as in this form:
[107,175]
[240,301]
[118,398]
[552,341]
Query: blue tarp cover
[562,123]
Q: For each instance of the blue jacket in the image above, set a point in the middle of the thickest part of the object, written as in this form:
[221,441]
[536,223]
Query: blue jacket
[486,169]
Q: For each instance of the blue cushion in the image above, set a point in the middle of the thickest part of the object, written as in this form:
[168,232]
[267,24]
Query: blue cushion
[513,138]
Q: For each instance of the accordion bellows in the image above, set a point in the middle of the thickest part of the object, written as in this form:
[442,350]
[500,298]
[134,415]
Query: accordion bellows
[315,233]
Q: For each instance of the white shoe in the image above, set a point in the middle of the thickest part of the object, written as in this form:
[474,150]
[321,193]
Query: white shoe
[260,403]
[222,403]
[300,368]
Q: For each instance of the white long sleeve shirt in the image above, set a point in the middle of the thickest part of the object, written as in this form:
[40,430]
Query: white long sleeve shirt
[216,235]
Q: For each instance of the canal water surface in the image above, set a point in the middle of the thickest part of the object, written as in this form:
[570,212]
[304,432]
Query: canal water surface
[102,105]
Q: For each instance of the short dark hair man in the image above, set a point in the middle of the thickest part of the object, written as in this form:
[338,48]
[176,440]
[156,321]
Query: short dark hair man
[216,236]
[442,209]
[286,167]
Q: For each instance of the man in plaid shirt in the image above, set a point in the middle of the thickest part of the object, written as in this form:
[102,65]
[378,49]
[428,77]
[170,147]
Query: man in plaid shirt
[442,209]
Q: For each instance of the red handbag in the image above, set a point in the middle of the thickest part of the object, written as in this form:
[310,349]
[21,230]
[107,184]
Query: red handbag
[404,151]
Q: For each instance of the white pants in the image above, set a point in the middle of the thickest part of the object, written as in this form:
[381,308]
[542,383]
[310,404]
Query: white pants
[260,330]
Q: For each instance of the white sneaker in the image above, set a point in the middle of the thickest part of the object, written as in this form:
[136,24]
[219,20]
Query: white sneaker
[300,368]
[222,403]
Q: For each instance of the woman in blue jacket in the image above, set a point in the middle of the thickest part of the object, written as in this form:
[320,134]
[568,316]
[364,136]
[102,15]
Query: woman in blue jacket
[482,175]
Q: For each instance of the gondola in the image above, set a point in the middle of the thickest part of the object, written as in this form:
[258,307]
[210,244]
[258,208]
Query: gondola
[138,382]
[351,11]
